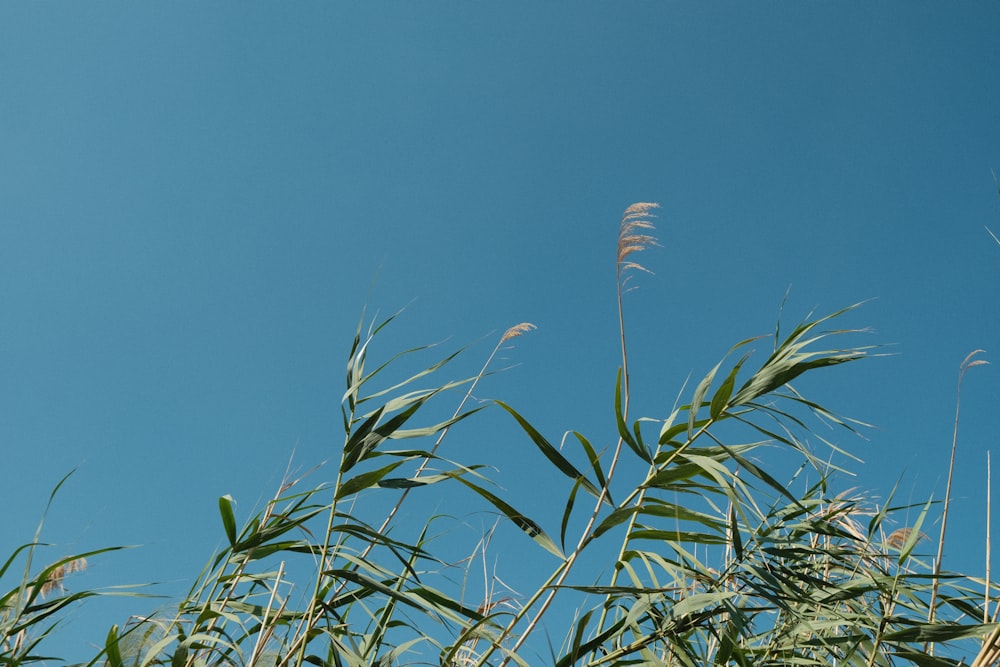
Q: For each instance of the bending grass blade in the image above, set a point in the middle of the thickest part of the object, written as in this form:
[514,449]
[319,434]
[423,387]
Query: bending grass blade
[553,454]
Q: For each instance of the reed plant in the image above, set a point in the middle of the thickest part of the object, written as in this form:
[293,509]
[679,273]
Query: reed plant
[714,534]
[31,611]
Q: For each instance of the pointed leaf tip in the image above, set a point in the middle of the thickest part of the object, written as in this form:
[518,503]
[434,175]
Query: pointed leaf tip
[228,518]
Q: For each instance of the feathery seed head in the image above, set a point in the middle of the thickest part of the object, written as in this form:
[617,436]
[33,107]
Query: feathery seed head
[517,330]
[631,238]
[54,581]
[898,538]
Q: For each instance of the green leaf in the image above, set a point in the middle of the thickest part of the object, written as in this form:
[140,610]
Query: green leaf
[914,535]
[675,537]
[734,533]
[275,528]
[595,465]
[352,453]
[699,397]
[623,431]
[396,387]
[433,429]
[420,598]
[228,519]
[180,656]
[730,637]
[616,518]
[940,631]
[370,434]
[553,454]
[567,512]
[720,400]
[423,480]
[578,635]
[531,528]
[761,474]
[111,648]
[366,480]
[669,429]
[790,360]
[675,512]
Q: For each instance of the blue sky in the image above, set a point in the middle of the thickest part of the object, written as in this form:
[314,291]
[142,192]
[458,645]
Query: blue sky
[199,198]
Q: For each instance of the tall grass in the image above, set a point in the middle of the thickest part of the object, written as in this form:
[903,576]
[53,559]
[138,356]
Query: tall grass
[30,610]
[706,553]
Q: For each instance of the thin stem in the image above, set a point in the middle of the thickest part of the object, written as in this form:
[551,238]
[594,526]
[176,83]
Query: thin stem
[986,602]
[966,365]
[266,629]
[625,404]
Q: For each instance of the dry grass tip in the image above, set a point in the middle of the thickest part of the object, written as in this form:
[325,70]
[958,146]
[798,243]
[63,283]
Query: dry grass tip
[631,238]
[517,330]
[897,539]
[53,582]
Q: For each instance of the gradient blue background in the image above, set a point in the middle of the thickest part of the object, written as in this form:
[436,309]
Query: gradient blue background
[197,198]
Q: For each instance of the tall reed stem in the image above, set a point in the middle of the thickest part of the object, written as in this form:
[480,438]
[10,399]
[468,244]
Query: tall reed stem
[630,240]
[966,365]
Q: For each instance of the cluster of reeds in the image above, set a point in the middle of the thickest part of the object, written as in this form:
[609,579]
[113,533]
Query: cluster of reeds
[30,611]
[709,556]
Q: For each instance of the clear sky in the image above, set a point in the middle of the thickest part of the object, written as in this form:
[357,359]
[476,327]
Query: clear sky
[197,199]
